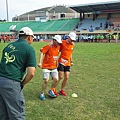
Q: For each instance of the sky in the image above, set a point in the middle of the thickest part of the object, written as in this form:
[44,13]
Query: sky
[18,7]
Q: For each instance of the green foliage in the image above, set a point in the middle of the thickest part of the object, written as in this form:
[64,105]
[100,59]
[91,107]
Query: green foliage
[95,78]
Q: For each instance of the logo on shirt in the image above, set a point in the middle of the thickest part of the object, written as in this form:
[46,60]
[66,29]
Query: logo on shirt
[8,57]
[64,61]
[55,57]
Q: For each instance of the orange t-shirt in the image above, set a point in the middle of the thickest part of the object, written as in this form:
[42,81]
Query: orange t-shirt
[66,52]
[51,56]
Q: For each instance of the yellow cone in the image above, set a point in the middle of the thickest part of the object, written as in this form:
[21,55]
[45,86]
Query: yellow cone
[74,95]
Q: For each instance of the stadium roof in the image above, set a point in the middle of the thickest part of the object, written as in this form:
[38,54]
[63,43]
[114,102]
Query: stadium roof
[57,9]
[95,7]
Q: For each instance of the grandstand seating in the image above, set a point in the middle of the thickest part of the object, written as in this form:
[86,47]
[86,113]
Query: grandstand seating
[56,25]
[86,23]
[116,21]
[37,26]
[19,25]
[63,25]
[4,26]
[70,25]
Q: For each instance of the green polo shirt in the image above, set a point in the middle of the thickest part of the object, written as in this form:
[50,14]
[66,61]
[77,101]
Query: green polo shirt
[16,57]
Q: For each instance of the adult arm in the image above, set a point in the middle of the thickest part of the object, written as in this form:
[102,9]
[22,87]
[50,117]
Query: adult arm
[29,75]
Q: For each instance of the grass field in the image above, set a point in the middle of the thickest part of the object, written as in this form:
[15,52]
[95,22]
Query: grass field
[95,78]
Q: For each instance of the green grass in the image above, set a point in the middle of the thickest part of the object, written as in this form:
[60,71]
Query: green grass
[95,78]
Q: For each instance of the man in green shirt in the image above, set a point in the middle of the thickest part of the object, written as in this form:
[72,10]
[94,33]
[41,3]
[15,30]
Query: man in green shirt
[17,68]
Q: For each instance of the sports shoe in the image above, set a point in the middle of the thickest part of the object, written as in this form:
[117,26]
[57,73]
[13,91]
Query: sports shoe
[42,96]
[51,93]
[62,92]
[55,92]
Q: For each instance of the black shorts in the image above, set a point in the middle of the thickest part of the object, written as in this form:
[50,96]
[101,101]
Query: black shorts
[63,68]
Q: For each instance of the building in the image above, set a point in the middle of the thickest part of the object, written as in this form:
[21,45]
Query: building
[48,13]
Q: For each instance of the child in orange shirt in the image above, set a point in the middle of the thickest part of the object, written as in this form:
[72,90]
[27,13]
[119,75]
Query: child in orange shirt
[65,61]
[48,63]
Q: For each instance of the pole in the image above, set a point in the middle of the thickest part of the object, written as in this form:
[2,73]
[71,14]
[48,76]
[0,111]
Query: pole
[7,10]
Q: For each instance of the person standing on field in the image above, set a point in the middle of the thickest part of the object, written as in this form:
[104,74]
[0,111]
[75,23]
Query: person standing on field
[65,61]
[17,68]
[48,61]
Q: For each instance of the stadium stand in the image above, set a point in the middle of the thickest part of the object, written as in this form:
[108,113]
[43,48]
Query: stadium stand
[71,24]
[4,26]
[57,25]
[103,18]
[63,25]
[88,23]
[37,26]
